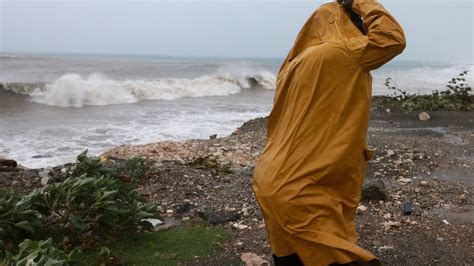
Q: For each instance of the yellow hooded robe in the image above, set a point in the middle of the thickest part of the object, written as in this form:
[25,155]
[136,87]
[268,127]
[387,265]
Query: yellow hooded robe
[308,179]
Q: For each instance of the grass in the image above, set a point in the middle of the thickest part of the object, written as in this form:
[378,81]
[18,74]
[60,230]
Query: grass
[177,245]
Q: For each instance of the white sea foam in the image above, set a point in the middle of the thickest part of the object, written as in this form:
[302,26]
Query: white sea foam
[72,90]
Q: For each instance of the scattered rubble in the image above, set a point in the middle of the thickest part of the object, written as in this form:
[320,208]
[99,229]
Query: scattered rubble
[211,180]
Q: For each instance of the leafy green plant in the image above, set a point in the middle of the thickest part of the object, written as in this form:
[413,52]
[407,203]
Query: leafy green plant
[457,96]
[131,170]
[41,252]
[103,204]
[96,200]
[17,218]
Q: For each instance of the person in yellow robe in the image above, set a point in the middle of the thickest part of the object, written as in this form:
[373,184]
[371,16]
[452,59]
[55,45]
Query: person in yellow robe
[308,179]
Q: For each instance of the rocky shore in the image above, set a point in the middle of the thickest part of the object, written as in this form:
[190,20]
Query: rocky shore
[417,203]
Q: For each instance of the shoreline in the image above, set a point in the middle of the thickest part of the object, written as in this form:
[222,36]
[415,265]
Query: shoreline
[426,164]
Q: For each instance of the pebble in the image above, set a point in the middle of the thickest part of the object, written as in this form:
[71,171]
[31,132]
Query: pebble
[424,183]
[252,259]
[404,180]
[424,116]
[361,208]
[391,224]
[240,226]
[407,208]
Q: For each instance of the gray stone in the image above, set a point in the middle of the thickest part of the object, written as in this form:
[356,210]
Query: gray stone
[374,190]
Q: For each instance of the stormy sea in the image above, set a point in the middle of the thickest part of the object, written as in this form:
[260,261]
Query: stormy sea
[52,107]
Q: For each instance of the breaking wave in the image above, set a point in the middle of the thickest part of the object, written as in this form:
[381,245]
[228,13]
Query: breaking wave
[73,90]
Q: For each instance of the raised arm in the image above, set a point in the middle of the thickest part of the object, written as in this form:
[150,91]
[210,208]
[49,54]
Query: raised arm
[384,40]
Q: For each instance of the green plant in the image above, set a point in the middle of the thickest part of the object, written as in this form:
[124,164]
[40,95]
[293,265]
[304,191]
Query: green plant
[17,218]
[41,252]
[131,170]
[103,204]
[456,96]
[96,200]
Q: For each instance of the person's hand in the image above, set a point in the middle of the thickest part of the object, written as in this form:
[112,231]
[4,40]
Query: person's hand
[346,3]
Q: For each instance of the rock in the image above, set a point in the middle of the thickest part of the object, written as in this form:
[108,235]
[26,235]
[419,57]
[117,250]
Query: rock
[424,183]
[374,190]
[149,190]
[240,226]
[407,208]
[252,259]
[44,180]
[404,180]
[462,198]
[185,207]
[390,153]
[392,224]
[6,163]
[361,209]
[220,217]
[424,116]
[213,136]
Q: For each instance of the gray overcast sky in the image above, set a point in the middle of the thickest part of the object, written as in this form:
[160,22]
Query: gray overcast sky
[437,30]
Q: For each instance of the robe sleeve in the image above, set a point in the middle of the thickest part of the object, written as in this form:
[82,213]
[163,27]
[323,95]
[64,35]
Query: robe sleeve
[384,40]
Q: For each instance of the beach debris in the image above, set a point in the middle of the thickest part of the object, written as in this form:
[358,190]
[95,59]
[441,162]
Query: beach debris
[445,222]
[374,190]
[213,136]
[252,259]
[153,222]
[407,208]
[424,116]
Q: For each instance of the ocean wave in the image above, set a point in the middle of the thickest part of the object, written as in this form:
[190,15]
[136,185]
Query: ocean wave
[73,90]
